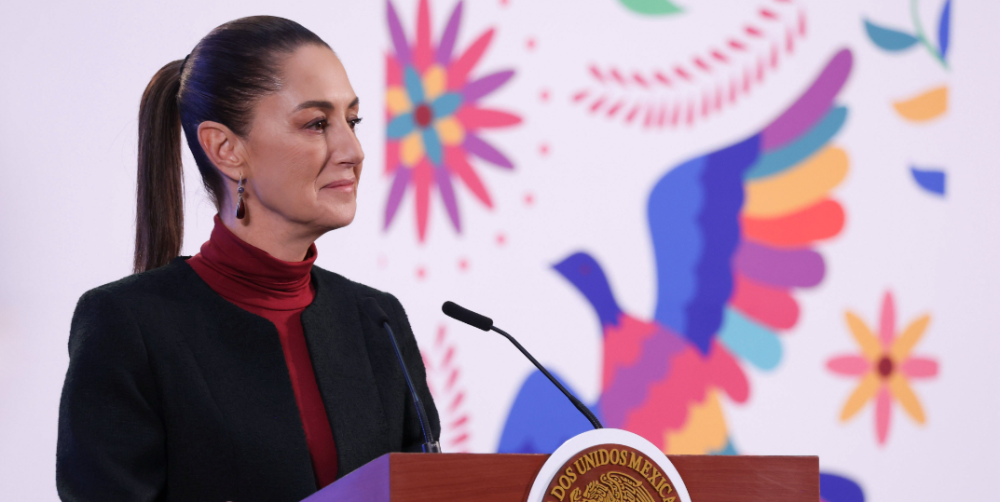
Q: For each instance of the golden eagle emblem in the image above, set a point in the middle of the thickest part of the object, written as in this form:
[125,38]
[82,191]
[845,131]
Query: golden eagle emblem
[612,487]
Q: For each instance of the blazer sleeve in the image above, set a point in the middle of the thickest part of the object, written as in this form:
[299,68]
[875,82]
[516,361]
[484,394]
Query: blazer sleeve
[412,435]
[111,442]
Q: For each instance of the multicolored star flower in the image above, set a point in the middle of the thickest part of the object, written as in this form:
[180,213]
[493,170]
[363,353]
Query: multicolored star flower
[886,367]
[434,118]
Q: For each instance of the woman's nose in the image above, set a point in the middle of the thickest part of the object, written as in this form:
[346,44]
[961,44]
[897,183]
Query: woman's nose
[345,146]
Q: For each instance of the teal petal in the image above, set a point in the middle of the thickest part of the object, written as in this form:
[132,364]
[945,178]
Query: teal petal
[400,126]
[889,39]
[751,341]
[432,144]
[414,86]
[446,104]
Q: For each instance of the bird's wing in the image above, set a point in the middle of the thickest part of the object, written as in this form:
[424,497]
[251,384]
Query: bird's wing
[715,218]
[787,209]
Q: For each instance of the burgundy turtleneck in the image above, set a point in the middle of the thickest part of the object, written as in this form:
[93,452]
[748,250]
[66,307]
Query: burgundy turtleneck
[278,291]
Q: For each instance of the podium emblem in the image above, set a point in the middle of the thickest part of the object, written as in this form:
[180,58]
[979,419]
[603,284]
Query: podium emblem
[608,465]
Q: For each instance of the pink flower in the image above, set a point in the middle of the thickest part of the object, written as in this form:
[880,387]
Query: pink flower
[435,120]
[885,367]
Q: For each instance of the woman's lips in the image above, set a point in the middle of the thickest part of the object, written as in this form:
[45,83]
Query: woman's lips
[341,185]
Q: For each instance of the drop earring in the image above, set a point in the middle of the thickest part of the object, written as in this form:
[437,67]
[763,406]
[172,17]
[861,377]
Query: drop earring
[241,208]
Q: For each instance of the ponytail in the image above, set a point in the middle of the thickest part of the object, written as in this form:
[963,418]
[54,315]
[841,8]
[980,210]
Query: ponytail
[159,216]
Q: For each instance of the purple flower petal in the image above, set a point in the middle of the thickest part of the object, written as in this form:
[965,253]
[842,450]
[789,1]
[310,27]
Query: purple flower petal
[447,44]
[479,88]
[396,194]
[476,146]
[398,37]
[443,180]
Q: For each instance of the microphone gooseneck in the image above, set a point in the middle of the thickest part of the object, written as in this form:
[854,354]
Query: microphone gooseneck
[375,313]
[484,323]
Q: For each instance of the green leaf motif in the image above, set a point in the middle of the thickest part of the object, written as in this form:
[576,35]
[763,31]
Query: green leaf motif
[652,7]
[888,38]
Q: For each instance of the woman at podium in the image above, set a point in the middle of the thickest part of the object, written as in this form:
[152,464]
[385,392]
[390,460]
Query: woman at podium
[244,373]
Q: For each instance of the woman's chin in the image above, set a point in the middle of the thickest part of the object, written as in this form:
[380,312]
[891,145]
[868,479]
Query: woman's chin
[337,216]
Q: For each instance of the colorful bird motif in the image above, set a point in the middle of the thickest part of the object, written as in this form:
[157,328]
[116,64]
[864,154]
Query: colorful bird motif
[734,234]
[435,119]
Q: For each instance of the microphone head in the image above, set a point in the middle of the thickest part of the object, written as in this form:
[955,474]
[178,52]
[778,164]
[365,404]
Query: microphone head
[374,311]
[467,316]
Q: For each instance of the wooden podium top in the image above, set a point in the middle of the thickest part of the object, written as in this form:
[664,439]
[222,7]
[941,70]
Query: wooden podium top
[419,477]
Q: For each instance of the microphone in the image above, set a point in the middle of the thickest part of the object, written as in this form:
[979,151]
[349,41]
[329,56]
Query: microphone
[484,323]
[375,313]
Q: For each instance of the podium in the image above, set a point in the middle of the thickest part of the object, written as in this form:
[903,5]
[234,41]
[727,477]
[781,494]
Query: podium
[419,477]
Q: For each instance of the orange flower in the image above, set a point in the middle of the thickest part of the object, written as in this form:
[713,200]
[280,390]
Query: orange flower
[885,367]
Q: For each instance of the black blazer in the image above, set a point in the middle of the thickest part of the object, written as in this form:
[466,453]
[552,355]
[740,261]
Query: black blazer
[175,394]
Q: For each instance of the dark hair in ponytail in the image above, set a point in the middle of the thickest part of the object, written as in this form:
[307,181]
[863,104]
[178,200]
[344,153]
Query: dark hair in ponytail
[220,81]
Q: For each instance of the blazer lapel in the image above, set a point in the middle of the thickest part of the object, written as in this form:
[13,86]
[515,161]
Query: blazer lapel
[242,362]
[336,339]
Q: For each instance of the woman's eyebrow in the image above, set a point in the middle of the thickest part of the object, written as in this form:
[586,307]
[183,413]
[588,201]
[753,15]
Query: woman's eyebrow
[326,105]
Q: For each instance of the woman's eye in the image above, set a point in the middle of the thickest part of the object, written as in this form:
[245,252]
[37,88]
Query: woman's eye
[354,122]
[319,125]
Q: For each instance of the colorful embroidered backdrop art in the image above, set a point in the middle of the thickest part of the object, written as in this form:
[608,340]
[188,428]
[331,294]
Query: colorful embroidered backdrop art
[735,232]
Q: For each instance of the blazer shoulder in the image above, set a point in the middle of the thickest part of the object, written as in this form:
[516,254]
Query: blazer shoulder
[173,280]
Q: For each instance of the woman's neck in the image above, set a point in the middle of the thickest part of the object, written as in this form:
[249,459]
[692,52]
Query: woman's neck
[268,232]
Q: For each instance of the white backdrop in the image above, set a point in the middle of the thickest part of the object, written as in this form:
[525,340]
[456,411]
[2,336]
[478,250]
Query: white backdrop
[68,105]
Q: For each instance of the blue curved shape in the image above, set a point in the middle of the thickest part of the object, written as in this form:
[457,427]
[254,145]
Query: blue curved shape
[414,86]
[672,211]
[400,126]
[778,161]
[446,104]
[583,271]
[541,418]
[944,28]
[722,184]
[750,340]
[888,38]
[834,488]
[432,145]
[931,180]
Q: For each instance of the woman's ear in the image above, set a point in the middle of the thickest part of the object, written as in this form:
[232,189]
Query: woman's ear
[223,147]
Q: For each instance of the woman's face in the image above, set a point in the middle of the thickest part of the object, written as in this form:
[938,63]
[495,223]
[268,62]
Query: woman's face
[303,158]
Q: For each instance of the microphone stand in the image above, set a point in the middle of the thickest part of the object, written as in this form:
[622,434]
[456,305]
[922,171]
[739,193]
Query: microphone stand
[576,402]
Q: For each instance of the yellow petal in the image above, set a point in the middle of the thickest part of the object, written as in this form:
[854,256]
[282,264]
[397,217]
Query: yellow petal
[865,391]
[870,345]
[450,131]
[434,82]
[797,188]
[904,344]
[924,107]
[412,149]
[397,100]
[901,390]
[703,433]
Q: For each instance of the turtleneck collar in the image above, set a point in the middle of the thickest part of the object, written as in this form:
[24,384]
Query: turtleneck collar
[244,274]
